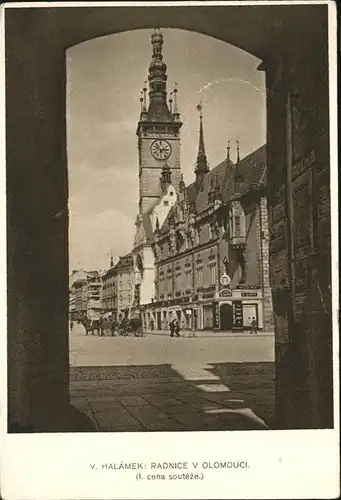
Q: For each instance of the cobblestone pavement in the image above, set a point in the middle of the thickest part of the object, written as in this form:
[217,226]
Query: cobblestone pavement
[158,383]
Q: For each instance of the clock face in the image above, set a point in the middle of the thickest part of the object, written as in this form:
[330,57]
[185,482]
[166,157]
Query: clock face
[161,149]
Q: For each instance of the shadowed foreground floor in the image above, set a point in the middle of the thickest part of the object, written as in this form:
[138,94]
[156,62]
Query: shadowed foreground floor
[214,396]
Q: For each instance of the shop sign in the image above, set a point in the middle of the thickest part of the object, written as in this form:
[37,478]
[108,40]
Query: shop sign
[215,307]
[249,294]
[189,312]
[226,293]
[237,308]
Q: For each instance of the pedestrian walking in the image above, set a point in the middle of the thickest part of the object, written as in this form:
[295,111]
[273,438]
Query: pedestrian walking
[101,327]
[88,326]
[113,328]
[171,328]
[71,325]
[177,328]
[253,326]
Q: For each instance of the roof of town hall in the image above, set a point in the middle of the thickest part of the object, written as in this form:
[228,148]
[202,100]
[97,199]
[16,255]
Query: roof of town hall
[253,170]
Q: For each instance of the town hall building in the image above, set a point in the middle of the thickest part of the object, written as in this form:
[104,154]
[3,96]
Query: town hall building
[201,252]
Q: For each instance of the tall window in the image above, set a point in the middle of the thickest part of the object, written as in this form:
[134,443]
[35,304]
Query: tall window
[199,277]
[188,279]
[213,273]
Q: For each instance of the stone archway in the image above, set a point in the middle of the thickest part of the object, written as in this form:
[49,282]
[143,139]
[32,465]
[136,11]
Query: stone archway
[293,47]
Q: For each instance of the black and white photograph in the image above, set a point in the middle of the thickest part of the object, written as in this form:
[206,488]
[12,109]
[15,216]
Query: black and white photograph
[171,180]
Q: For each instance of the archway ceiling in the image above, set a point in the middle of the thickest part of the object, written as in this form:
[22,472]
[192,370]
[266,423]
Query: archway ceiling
[255,29]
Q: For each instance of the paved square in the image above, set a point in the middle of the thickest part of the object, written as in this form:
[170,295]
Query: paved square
[158,383]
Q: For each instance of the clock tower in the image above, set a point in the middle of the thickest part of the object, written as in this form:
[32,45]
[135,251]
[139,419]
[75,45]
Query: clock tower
[158,131]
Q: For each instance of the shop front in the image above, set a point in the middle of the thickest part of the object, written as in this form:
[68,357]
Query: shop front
[238,308]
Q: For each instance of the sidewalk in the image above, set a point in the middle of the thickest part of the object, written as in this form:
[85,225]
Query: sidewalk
[213,333]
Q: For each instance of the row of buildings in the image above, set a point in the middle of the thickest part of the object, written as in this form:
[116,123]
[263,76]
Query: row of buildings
[200,252]
[96,293]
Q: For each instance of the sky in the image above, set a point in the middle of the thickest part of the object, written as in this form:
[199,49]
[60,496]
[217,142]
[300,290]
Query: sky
[104,80]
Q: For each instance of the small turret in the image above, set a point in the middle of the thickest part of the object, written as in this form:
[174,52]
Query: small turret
[176,113]
[143,101]
[229,162]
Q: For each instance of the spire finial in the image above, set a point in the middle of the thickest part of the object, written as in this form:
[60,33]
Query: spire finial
[145,96]
[170,103]
[228,150]
[143,101]
[201,149]
[158,107]
[199,108]
[176,114]
[157,68]
[201,166]
[111,261]
[238,172]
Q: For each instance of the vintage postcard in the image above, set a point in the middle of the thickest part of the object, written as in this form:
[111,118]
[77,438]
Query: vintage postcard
[170,256]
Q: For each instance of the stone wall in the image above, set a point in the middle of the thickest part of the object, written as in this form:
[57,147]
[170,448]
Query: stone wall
[299,209]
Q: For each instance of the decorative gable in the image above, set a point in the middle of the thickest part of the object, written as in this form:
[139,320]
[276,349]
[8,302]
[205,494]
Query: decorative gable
[162,208]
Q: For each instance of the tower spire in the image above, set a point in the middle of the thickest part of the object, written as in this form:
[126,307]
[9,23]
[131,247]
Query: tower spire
[201,165]
[158,108]
[238,172]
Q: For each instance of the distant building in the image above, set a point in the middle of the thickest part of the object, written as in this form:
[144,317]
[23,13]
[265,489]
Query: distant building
[124,284]
[109,290]
[117,287]
[85,295]
[201,252]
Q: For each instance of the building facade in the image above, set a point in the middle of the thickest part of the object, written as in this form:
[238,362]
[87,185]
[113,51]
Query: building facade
[201,252]
[85,295]
[124,284]
[212,252]
[117,287]
[109,291]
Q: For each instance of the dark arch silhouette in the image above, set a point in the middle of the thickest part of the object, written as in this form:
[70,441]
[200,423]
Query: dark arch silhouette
[285,38]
